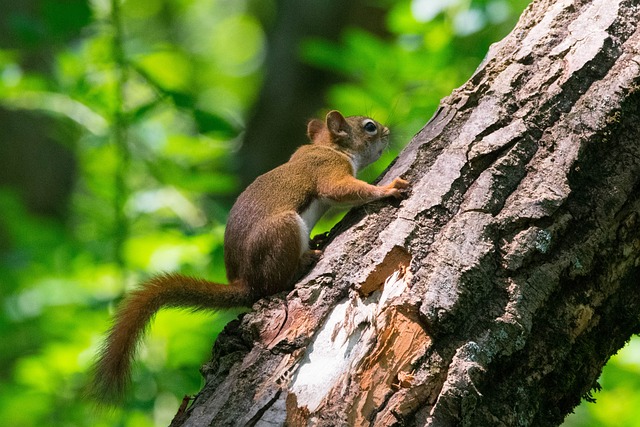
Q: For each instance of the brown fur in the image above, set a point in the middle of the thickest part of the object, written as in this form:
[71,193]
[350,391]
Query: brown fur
[111,372]
[263,243]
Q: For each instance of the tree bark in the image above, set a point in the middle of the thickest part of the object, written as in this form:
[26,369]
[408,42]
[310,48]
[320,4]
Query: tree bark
[497,290]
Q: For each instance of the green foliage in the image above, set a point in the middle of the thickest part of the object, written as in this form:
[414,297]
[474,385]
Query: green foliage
[158,91]
[617,403]
[158,128]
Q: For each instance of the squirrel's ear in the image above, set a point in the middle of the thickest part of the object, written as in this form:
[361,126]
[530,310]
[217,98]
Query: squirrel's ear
[314,127]
[337,125]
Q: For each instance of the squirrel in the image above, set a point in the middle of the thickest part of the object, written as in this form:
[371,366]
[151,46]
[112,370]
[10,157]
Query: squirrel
[266,238]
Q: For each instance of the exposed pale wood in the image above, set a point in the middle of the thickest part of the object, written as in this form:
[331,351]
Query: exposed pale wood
[512,268]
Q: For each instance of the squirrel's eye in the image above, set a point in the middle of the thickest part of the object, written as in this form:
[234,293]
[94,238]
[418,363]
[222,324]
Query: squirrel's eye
[370,127]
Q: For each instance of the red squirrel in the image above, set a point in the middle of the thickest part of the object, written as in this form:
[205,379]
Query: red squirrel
[266,238]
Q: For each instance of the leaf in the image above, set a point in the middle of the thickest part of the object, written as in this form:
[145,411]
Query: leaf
[213,123]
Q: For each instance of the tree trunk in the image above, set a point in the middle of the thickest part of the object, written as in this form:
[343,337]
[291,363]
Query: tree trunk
[497,290]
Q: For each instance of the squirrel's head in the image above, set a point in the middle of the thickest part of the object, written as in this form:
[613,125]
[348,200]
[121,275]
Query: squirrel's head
[361,138]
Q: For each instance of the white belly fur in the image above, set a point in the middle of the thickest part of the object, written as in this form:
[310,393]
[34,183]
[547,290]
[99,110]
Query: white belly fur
[307,220]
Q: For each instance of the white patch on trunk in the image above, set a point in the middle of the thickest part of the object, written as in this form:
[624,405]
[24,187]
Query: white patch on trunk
[342,342]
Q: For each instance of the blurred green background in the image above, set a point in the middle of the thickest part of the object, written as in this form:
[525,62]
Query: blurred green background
[127,129]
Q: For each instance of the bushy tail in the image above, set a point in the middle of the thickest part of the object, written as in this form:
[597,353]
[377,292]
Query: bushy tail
[112,368]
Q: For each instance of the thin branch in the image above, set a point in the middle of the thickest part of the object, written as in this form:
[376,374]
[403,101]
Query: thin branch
[120,129]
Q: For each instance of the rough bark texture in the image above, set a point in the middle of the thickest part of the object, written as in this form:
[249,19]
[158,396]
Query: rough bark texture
[495,293]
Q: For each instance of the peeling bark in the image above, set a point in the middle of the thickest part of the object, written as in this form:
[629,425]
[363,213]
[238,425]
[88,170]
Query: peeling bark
[496,292]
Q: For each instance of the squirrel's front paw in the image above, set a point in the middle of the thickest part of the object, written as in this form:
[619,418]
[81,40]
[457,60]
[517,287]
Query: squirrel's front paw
[394,189]
[399,183]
